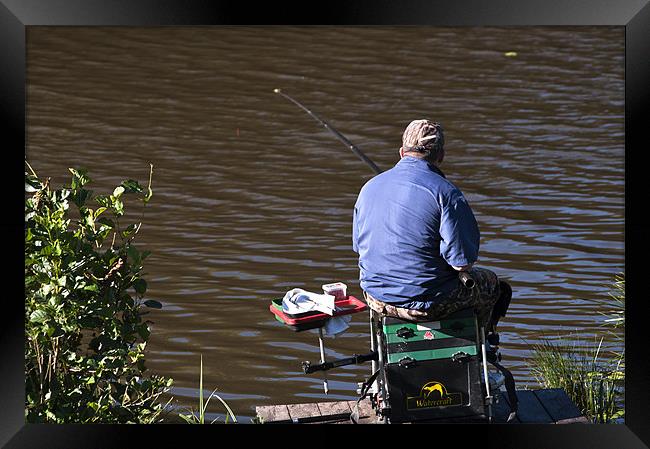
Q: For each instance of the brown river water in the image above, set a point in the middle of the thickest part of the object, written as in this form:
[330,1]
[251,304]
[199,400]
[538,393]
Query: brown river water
[252,197]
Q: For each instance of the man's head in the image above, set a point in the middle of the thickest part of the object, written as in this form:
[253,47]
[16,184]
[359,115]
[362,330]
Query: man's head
[424,139]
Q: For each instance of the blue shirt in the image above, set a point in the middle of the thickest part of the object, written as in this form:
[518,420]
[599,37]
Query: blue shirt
[410,225]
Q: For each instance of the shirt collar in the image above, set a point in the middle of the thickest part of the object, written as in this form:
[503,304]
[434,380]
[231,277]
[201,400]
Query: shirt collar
[411,160]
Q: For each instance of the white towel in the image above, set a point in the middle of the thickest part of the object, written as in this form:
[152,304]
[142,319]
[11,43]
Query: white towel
[300,301]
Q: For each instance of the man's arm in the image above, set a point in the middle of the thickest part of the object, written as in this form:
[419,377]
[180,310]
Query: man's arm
[459,233]
[463,268]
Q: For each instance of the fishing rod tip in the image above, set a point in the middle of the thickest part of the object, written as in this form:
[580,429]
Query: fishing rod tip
[277,91]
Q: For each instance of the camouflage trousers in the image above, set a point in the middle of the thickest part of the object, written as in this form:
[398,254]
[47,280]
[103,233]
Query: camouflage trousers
[481,298]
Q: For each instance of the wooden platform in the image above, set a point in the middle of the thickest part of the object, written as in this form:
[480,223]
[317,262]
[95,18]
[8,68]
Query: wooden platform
[550,406]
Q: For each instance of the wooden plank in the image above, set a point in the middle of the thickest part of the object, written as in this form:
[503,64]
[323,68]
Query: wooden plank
[304,412]
[365,408]
[578,420]
[334,408]
[332,413]
[558,404]
[503,396]
[273,414]
[535,406]
[502,410]
[530,410]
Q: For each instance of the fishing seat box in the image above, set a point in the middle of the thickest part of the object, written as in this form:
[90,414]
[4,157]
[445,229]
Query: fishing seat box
[433,369]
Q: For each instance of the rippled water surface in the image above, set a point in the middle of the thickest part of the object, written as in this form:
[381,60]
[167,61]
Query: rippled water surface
[252,197]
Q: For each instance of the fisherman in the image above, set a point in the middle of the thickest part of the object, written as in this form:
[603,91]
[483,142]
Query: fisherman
[415,233]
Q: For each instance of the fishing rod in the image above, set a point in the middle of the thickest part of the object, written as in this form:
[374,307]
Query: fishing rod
[340,136]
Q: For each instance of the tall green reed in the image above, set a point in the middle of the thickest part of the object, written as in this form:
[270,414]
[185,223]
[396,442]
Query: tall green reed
[194,418]
[593,379]
[592,382]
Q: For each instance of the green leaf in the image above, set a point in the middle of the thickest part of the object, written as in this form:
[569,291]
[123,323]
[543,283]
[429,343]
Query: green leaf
[119,190]
[153,304]
[103,200]
[134,254]
[129,230]
[46,289]
[32,183]
[81,196]
[127,299]
[38,316]
[106,222]
[79,178]
[143,331]
[140,286]
[190,419]
[132,186]
[99,211]
[89,220]
[118,207]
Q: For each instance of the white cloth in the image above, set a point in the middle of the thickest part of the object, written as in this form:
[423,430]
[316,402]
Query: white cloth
[337,325]
[300,301]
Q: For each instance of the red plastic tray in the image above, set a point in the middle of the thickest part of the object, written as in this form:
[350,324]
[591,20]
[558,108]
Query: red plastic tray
[350,305]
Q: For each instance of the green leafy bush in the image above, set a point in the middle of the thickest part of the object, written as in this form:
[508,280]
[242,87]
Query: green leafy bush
[84,306]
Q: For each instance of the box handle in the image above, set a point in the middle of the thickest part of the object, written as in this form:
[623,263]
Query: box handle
[460,357]
[405,332]
[407,362]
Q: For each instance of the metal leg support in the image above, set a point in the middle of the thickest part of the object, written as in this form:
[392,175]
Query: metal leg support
[373,347]
[322,358]
[379,385]
[488,397]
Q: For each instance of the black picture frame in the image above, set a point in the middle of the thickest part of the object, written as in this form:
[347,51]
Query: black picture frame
[634,15]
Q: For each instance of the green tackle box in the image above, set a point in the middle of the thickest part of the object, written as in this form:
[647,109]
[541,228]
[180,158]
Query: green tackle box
[431,339]
[433,369]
